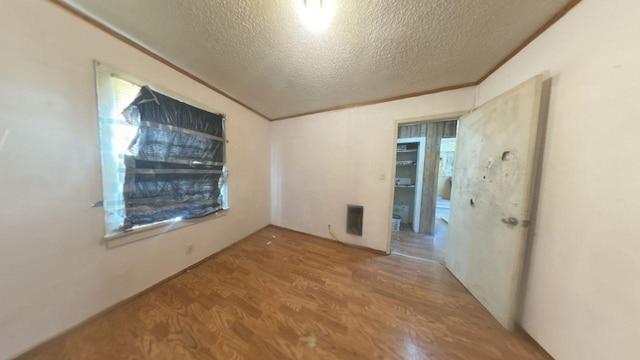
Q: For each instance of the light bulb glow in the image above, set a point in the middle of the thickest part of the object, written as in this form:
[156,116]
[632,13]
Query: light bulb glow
[316,14]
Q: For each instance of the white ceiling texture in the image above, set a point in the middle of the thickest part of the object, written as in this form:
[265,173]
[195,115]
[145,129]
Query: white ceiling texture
[259,52]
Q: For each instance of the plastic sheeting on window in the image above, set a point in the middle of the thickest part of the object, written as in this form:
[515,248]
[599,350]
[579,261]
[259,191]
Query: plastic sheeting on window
[176,165]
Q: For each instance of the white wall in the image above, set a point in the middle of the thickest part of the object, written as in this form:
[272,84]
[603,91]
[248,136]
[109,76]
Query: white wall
[583,295]
[54,272]
[321,163]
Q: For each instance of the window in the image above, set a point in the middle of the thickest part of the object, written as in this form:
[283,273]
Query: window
[162,159]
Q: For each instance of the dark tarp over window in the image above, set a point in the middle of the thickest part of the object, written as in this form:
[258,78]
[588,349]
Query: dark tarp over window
[176,163]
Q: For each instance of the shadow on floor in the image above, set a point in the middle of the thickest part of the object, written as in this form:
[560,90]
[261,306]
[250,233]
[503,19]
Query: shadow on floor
[421,246]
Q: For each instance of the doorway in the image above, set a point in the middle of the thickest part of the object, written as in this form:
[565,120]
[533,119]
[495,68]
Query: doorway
[425,157]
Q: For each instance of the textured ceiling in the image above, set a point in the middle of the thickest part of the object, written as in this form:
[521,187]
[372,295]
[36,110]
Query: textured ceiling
[259,52]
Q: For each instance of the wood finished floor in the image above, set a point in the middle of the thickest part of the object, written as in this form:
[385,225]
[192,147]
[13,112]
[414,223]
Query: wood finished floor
[428,247]
[302,298]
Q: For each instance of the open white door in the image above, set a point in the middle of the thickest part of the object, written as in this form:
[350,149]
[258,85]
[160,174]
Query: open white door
[496,156]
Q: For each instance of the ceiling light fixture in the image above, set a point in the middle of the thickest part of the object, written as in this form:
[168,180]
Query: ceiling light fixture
[316,14]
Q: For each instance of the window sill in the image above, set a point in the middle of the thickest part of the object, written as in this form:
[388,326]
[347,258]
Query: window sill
[147,231]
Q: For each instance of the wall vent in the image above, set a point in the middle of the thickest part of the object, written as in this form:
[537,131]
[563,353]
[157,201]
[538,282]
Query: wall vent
[354,219]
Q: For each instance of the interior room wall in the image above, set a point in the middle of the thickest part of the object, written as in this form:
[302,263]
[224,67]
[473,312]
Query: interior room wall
[322,162]
[582,295]
[54,271]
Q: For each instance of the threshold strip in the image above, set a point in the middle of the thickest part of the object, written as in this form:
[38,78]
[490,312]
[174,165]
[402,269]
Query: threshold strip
[417,258]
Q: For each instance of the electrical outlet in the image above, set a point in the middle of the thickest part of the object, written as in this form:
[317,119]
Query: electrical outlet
[190,248]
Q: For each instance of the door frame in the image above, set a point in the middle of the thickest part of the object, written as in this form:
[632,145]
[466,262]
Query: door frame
[394,139]
[417,193]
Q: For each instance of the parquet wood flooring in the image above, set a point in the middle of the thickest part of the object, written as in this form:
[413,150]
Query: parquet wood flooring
[428,247]
[298,297]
